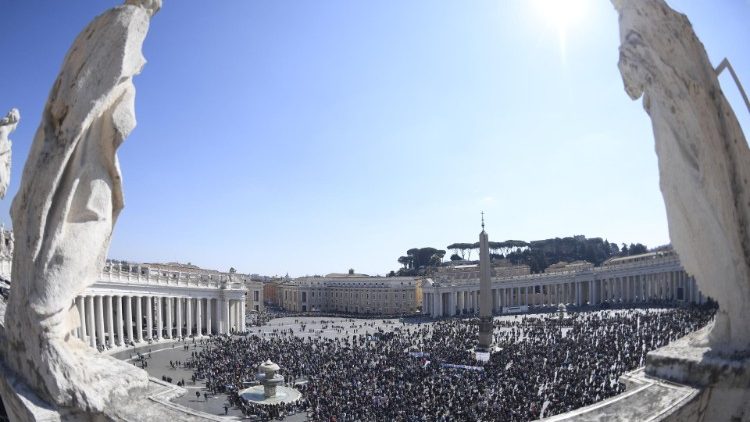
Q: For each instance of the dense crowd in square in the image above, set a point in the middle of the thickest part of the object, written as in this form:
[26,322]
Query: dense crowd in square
[544,365]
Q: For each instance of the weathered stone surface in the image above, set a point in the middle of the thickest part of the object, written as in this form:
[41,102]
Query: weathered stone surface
[7,125]
[148,404]
[723,381]
[646,399]
[704,161]
[64,213]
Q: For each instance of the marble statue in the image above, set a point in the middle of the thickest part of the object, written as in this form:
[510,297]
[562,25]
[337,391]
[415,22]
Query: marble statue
[704,161]
[7,125]
[63,215]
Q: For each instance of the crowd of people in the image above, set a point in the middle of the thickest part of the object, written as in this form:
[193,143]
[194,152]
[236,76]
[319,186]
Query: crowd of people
[543,365]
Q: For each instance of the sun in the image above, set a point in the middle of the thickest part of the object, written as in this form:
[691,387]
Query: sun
[561,15]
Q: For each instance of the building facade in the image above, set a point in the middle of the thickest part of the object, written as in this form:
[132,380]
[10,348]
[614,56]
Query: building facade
[350,294]
[132,304]
[254,297]
[633,279]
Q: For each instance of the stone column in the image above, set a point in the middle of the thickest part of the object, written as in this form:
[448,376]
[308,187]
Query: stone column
[159,317]
[82,332]
[526,295]
[698,293]
[575,292]
[226,322]
[91,329]
[149,317]
[120,322]
[232,320]
[189,316]
[179,306]
[129,318]
[237,315]
[637,286]
[209,313]
[170,304]
[242,316]
[109,321]
[683,283]
[199,316]
[231,316]
[99,320]
[139,318]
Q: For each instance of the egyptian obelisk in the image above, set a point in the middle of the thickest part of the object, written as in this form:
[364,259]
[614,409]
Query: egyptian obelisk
[485,293]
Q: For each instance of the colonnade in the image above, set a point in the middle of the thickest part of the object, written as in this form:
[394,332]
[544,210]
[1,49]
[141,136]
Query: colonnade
[616,289]
[108,320]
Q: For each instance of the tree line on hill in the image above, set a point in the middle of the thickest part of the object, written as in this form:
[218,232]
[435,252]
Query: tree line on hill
[538,254]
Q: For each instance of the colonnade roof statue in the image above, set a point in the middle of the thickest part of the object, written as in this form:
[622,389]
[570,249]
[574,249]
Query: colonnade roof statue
[65,210]
[704,161]
[7,125]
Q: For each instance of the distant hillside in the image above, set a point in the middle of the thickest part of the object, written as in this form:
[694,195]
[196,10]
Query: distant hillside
[537,254]
[542,253]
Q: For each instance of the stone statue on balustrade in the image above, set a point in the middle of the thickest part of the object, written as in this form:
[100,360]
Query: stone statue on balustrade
[704,161]
[65,210]
[7,125]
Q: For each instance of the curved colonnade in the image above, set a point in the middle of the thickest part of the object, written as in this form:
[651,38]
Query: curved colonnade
[135,305]
[660,278]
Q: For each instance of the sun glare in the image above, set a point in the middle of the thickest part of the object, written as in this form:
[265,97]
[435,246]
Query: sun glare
[561,15]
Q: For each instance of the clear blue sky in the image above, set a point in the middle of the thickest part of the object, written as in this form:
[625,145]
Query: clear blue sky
[310,137]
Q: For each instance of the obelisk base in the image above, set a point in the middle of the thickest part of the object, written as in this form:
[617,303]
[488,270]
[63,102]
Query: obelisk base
[485,334]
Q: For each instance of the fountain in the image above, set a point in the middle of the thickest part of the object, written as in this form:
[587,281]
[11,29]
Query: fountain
[270,390]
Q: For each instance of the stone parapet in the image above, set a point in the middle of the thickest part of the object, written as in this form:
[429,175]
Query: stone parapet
[722,381]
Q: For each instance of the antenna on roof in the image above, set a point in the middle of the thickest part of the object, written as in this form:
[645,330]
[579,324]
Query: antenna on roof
[482,220]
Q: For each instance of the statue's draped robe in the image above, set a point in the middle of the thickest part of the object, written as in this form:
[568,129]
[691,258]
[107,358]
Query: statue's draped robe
[70,195]
[704,160]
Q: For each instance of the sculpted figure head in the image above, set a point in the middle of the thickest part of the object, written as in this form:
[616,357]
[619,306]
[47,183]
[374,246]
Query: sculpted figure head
[11,118]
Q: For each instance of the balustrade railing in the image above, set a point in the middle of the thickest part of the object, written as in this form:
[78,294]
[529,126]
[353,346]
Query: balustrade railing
[123,272]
